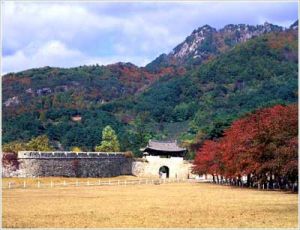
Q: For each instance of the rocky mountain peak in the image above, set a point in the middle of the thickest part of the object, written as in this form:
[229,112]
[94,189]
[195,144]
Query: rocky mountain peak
[203,29]
[207,41]
[207,34]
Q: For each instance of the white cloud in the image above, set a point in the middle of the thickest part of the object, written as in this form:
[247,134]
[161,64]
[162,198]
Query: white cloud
[40,21]
[53,53]
[56,54]
[74,33]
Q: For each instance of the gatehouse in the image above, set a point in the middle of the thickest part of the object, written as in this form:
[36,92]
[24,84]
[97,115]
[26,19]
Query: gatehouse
[164,159]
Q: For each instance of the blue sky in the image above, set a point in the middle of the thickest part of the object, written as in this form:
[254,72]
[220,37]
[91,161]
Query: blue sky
[69,34]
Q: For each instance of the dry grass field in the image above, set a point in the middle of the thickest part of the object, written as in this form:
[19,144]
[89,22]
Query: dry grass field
[164,205]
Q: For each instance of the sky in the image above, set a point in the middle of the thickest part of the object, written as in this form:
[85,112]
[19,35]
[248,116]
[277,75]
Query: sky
[69,34]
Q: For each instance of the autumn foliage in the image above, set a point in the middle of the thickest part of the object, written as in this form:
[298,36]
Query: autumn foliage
[262,146]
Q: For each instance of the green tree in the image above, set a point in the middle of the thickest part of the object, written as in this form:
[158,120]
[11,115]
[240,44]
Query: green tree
[40,143]
[76,149]
[109,141]
[42,117]
[14,147]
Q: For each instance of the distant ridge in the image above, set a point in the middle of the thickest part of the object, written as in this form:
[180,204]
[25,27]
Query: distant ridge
[206,42]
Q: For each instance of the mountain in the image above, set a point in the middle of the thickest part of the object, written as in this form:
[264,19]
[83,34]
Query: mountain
[80,87]
[190,102]
[206,42]
[253,74]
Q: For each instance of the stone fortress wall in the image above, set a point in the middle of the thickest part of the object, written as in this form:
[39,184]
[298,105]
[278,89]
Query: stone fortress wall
[98,164]
[71,164]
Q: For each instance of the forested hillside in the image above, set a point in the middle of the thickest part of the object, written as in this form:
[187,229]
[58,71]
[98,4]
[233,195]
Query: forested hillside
[191,103]
[80,87]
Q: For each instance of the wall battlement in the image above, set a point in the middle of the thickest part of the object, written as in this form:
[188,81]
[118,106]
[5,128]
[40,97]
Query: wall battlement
[63,154]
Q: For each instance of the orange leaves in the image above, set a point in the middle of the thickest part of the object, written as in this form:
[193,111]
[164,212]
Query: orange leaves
[279,41]
[206,158]
[140,78]
[263,142]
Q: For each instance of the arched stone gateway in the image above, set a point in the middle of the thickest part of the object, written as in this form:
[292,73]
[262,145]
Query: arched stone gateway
[164,172]
[162,159]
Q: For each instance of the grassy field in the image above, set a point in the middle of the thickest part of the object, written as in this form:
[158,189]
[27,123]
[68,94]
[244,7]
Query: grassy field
[164,205]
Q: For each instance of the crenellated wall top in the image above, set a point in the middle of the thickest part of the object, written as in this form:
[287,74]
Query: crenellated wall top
[67,154]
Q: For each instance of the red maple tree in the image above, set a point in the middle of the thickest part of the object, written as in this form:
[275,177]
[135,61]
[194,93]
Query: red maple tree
[262,146]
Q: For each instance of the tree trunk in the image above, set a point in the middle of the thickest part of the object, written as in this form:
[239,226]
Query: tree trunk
[239,181]
[248,180]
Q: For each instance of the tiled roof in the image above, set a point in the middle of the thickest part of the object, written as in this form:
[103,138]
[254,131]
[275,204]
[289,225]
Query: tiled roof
[169,146]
